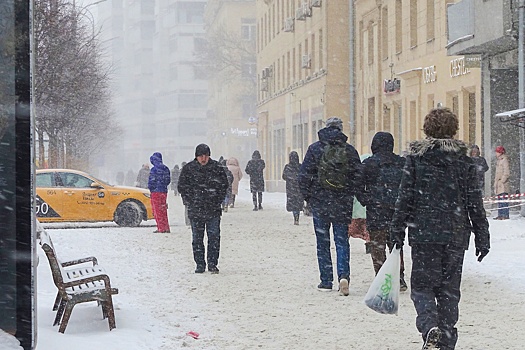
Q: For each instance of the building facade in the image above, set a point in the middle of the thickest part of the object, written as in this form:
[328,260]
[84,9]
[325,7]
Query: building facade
[231,63]
[302,76]
[403,71]
[160,94]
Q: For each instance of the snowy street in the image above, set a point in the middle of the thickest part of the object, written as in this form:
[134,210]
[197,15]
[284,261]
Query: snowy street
[266,294]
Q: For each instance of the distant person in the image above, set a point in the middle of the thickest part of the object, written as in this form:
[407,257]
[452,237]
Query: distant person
[501,183]
[440,203]
[233,165]
[229,176]
[143,176]
[175,173]
[481,166]
[382,174]
[120,178]
[294,198]
[130,178]
[202,186]
[255,168]
[329,178]
[159,179]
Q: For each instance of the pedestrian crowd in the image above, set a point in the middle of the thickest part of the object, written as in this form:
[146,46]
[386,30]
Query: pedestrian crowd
[434,193]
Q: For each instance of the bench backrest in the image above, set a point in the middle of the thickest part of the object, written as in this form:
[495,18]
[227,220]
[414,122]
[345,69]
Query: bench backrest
[59,275]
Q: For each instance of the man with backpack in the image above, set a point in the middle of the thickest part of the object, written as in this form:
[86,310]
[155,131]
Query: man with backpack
[329,177]
[382,174]
[440,202]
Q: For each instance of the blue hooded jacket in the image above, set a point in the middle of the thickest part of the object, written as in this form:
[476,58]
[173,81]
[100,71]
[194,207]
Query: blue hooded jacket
[159,176]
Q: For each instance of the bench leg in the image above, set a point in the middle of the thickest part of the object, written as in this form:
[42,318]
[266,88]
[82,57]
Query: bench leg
[57,301]
[67,315]
[60,312]
[110,312]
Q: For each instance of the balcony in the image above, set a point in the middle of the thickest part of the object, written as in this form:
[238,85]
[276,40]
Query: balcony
[482,27]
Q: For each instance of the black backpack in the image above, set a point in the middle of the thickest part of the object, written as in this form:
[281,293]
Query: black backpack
[333,167]
[389,178]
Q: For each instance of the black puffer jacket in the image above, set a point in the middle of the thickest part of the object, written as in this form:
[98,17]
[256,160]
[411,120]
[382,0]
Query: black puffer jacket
[203,188]
[381,193]
[255,168]
[294,198]
[439,199]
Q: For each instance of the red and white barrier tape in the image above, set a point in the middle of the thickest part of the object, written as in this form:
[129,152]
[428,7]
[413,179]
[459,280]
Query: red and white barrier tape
[507,196]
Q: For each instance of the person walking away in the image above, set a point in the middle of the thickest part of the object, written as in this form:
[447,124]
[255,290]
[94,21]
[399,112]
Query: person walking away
[233,165]
[382,174]
[229,175]
[202,186]
[294,198]
[255,168]
[357,228]
[159,179]
[175,173]
[329,177]
[501,183]
[481,166]
[440,202]
[130,178]
[143,176]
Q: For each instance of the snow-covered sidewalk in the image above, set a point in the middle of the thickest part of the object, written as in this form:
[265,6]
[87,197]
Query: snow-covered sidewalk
[265,295]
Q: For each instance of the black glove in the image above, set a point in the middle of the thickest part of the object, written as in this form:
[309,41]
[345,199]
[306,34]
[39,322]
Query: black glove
[481,253]
[397,239]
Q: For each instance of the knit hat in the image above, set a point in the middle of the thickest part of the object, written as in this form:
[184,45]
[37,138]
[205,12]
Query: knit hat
[202,149]
[500,149]
[334,122]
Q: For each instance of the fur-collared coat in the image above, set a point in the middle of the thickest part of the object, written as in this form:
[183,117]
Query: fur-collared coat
[439,199]
[501,178]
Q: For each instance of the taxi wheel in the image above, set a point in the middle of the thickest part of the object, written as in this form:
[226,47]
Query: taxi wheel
[128,214]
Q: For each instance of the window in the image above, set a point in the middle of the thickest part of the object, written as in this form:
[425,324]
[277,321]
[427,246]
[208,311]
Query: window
[472,118]
[430,19]
[371,114]
[45,180]
[370,35]
[190,12]
[248,29]
[321,48]
[75,180]
[384,32]
[399,26]
[413,23]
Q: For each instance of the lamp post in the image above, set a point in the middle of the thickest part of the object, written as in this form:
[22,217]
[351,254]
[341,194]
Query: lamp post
[521,92]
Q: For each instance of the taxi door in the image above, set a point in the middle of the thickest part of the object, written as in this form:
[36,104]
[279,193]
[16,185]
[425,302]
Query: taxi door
[81,201]
[49,203]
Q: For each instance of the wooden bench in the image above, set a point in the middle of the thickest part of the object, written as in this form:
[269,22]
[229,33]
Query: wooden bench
[77,284]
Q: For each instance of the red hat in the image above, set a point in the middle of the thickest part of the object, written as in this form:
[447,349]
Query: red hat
[500,149]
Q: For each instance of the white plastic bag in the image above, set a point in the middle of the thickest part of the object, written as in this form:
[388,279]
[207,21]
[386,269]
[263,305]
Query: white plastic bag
[383,294]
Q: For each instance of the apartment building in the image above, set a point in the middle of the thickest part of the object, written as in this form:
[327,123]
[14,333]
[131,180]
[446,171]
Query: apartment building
[403,71]
[160,94]
[231,62]
[302,76]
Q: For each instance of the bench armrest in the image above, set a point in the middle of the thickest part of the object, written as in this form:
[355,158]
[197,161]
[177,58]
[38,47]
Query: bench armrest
[81,261]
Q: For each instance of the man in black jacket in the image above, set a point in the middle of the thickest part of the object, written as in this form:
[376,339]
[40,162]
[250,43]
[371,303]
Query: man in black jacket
[203,185]
[382,176]
[440,202]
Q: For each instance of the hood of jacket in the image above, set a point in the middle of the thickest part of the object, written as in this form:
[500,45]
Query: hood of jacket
[382,142]
[438,150]
[256,155]
[331,135]
[232,161]
[156,159]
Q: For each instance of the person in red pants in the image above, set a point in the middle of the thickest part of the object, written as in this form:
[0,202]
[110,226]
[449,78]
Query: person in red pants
[159,179]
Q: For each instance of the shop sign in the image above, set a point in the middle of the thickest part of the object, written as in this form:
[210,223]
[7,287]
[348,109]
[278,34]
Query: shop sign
[429,74]
[457,67]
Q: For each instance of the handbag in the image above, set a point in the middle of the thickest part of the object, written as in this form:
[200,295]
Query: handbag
[383,294]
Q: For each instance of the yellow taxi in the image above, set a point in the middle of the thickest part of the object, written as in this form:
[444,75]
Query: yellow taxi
[71,195]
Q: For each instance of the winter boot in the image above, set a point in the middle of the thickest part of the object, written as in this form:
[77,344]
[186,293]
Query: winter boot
[232,201]
[296,219]
[260,206]
[432,339]
[402,284]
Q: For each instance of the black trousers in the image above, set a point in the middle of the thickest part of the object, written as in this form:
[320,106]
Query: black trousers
[213,229]
[435,289]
